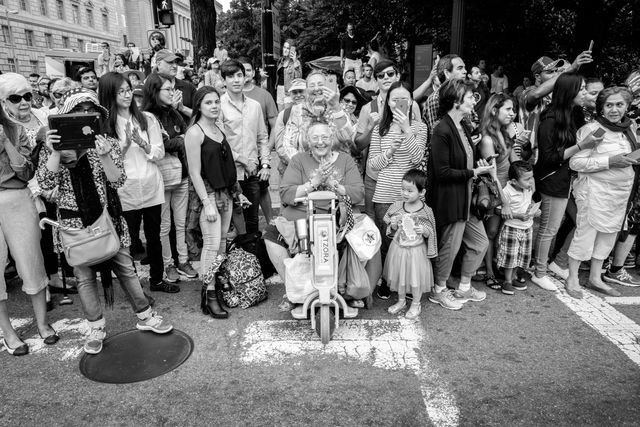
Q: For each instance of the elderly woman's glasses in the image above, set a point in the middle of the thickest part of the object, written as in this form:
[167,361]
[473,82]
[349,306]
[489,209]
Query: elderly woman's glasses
[16,99]
[318,138]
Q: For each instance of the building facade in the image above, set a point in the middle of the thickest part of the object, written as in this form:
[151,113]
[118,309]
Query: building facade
[32,27]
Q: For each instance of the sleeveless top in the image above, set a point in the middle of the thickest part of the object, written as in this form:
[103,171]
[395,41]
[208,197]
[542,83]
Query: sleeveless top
[218,168]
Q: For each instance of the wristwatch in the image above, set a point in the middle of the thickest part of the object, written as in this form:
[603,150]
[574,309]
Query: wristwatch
[266,166]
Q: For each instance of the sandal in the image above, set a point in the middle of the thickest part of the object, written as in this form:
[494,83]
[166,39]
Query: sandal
[491,282]
[413,312]
[397,307]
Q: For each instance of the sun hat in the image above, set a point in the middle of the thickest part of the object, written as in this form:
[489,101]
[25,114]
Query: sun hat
[78,96]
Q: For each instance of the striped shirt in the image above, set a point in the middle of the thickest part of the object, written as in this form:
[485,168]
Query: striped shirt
[407,156]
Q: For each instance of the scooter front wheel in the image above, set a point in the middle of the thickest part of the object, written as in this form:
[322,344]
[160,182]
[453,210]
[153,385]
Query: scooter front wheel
[325,324]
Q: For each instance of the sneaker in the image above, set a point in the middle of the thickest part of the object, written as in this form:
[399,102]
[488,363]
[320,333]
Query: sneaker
[171,274]
[622,277]
[155,324]
[383,291]
[187,270]
[445,299]
[519,286]
[562,273]
[93,344]
[414,312]
[544,282]
[630,261]
[165,287]
[472,294]
[507,288]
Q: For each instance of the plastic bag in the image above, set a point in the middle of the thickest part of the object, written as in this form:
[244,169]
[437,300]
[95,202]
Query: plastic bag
[352,275]
[364,238]
[297,278]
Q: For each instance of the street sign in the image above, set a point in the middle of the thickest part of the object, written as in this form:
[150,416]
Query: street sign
[423,54]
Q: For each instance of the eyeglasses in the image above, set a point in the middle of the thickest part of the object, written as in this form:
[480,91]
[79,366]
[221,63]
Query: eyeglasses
[391,73]
[350,101]
[169,89]
[125,92]
[16,99]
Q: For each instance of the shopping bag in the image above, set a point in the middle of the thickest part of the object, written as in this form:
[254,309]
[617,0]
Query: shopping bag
[352,275]
[364,238]
[297,278]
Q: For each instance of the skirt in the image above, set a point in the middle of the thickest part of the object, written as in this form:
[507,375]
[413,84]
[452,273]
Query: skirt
[405,267]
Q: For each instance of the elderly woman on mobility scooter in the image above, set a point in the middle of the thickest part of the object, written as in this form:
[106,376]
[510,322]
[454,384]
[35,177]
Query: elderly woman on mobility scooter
[320,169]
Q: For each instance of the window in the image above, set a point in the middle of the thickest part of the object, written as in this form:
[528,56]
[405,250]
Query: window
[105,22]
[80,45]
[48,41]
[60,8]
[12,64]
[75,13]
[90,18]
[65,42]
[28,34]
[6,35]
[43,8]
[33,66]
[24,5]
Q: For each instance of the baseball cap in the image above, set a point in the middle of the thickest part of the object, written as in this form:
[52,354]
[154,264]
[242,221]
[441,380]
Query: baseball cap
[544,63]
[166,55]
[298,84]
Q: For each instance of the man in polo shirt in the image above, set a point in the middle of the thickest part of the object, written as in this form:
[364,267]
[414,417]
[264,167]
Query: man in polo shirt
[167,63]
[246,132]
[270,113]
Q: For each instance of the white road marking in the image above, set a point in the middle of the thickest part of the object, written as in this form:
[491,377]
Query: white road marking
[71,331]
[609,322]
[385,343]
[623,300]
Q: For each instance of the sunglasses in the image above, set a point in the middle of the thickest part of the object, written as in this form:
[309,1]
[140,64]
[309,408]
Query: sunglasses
[350,101]
[16,99]
[391,73]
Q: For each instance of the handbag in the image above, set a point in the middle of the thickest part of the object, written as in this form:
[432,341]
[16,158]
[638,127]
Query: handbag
[84,247]
[485,197]
[364,238]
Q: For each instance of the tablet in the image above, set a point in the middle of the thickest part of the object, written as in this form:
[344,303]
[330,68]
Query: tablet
[77,130]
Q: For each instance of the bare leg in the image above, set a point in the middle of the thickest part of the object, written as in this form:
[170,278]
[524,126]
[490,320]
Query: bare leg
[508,275]
[12,339]
[573,284]
[39,303]
[622,250]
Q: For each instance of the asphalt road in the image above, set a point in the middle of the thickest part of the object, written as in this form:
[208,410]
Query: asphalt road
[528,359]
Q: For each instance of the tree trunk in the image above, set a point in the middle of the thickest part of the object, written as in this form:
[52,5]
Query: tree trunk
[203,27]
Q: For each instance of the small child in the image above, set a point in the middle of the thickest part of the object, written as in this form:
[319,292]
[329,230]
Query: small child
[514,243]
[412,225]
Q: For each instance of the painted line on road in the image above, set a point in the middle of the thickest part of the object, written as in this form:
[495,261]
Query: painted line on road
[623,300]
[609,322]
[385,343]
[72,333]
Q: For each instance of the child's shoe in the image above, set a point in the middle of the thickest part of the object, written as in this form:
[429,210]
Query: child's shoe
[507,288]
[397,307]
[413,312]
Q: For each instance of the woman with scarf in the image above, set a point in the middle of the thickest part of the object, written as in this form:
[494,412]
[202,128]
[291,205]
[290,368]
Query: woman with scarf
[605,180]
[87,181]
[19,234]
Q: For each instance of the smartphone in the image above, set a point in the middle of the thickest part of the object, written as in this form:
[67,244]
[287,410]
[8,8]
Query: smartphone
[590,46]
[635,155]
[332,82]
[491,157]
[599,132]
[403,105]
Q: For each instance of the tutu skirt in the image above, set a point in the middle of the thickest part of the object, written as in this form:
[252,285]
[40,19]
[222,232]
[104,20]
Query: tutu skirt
[405,267]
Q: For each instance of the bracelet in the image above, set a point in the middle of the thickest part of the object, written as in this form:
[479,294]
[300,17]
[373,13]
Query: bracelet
[266,166]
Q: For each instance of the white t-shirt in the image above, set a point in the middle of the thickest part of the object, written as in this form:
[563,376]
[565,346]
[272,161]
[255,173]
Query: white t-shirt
[519,201]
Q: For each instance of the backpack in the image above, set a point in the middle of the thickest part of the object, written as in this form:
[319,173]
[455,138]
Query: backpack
[241,279]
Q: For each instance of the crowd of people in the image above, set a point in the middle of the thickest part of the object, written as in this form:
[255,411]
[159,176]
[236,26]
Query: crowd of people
[454,174]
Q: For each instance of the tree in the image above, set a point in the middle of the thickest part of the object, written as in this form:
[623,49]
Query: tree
[203,28]
[240,28]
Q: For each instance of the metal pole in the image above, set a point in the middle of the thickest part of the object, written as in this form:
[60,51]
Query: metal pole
[13,47]
[267,46]
[457,27]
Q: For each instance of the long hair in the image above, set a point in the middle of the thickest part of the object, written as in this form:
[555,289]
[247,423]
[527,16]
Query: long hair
[108,87]
[151,98]
[11,129]
[568,116]
[490,125]
[387,114]
[197,102]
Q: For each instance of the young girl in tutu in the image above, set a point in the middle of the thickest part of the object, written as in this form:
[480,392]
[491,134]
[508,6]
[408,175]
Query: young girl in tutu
[411,224]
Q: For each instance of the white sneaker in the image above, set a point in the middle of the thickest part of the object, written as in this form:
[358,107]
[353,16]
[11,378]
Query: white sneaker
[544,282]
[562,273]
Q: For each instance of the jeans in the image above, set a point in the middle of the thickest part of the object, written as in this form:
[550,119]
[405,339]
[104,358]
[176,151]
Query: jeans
[451,237]
[122,265]
[20,234]
[380,209]
[151,217]
[214,233]
[369,189]
[251,190]
[176,201]
[552,209]
[565,235]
